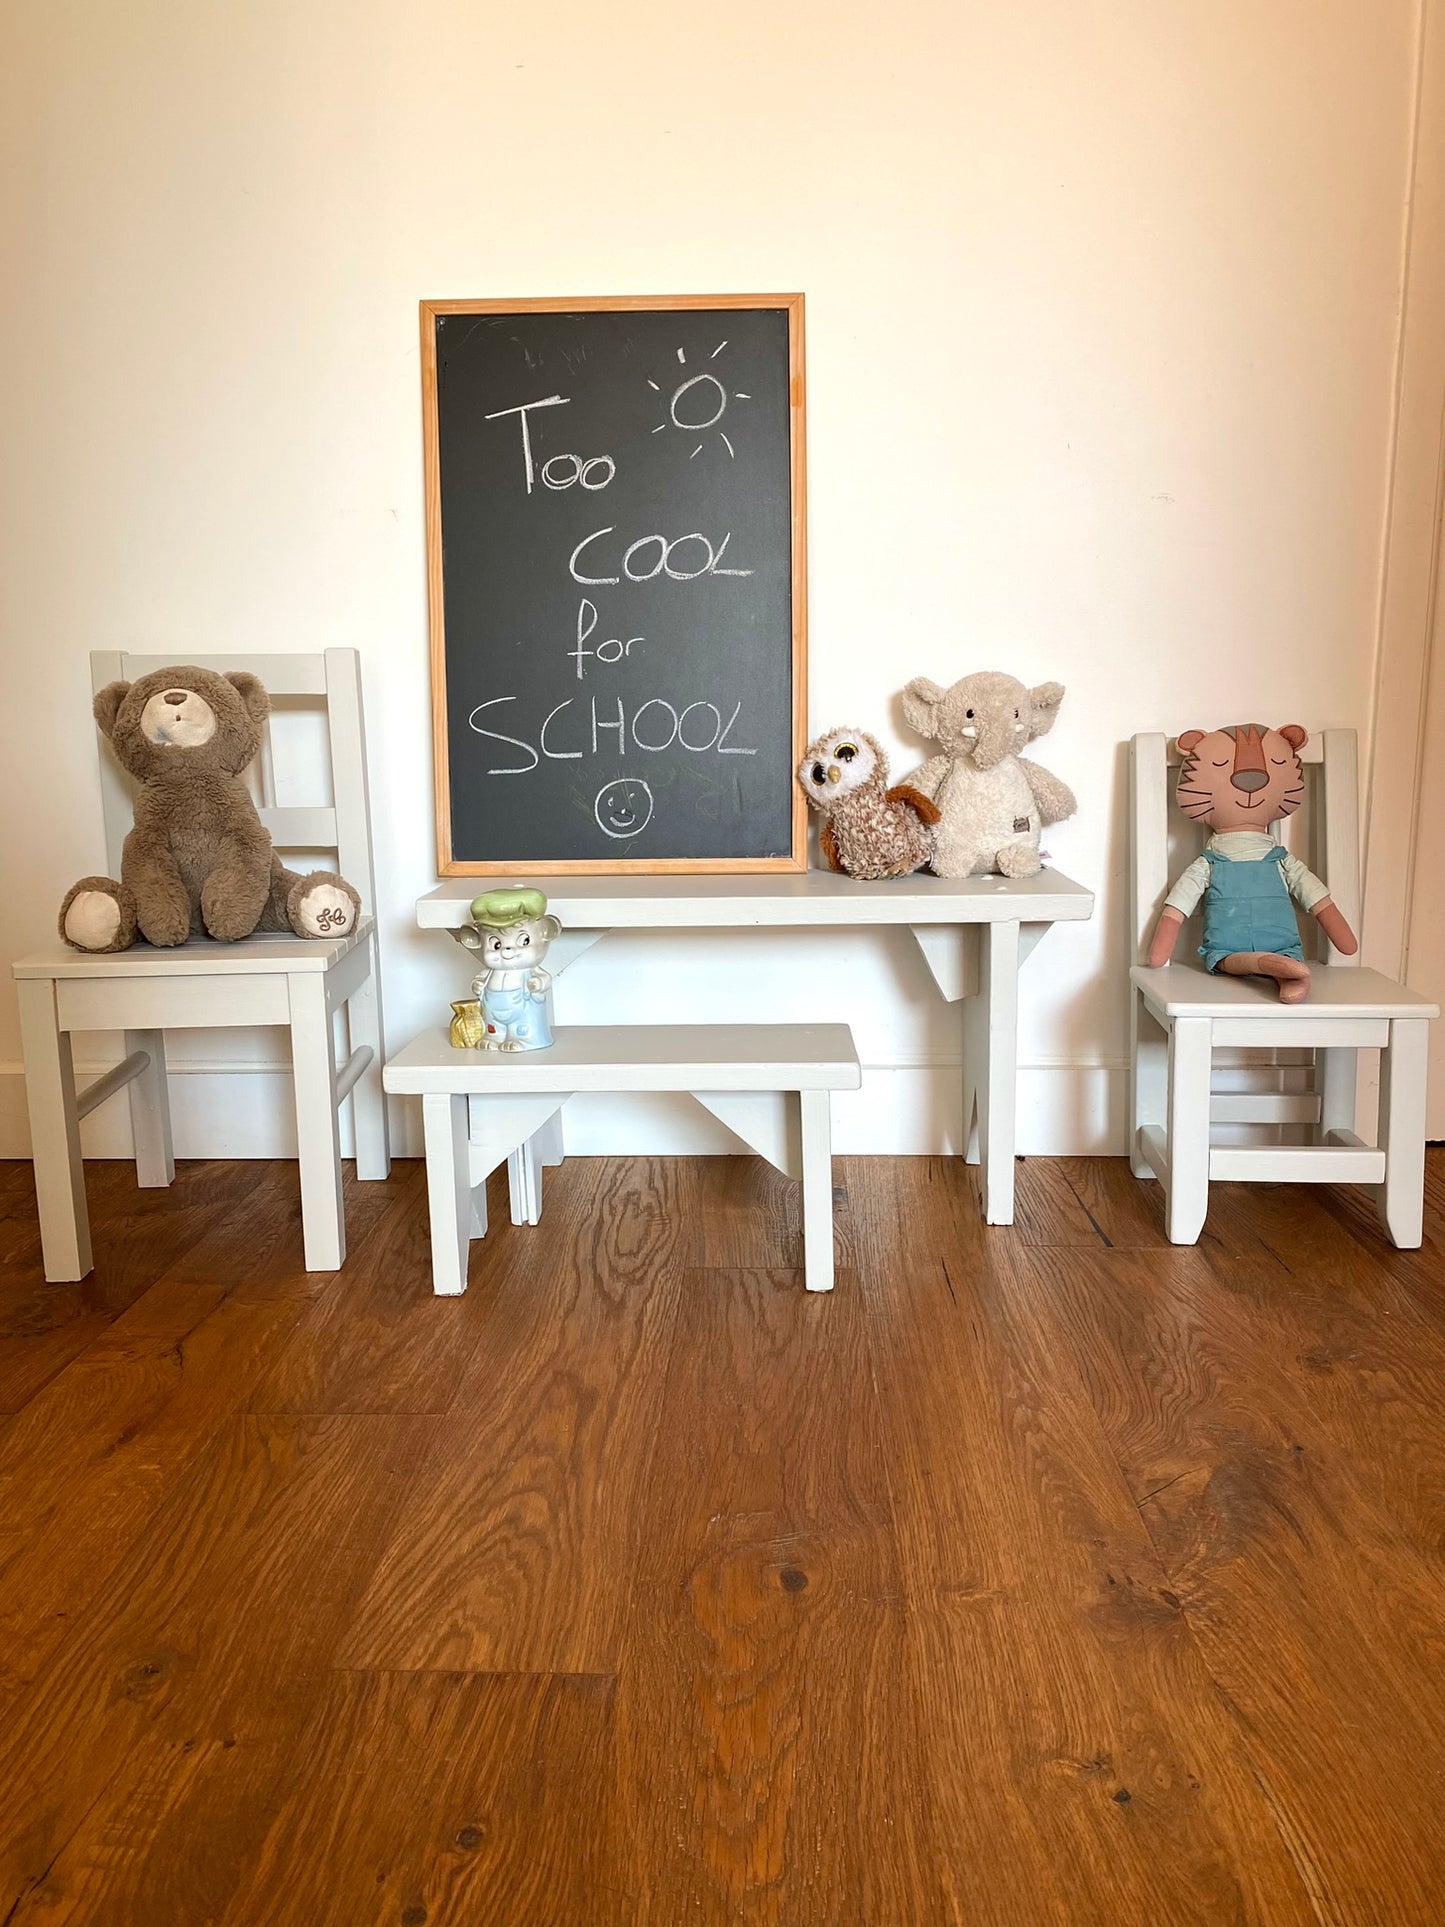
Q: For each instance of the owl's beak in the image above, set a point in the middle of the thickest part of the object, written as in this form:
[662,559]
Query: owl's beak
[834,773]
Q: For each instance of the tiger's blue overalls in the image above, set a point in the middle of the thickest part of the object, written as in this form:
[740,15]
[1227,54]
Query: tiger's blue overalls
[1248,907]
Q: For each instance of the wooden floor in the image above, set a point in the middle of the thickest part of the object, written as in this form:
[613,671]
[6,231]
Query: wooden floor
[1038,1575]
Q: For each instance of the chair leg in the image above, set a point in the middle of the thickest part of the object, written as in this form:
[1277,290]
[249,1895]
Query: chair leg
[368,1099]
[318,1129]
[150,1112]
[817,1191]
[1186,1198]
[1400,1200]
[1148,1078]
[1335,1074]
[54,1134]
[450,1204]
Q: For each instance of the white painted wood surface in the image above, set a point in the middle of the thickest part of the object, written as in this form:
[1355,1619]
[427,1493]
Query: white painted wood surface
[972,932]
[816,899]
[268,979]
[1181,1015]
[507,1100]
[639,1057]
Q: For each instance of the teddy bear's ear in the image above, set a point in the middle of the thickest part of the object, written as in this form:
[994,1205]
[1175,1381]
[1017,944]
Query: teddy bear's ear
[1296,735]
[1190,741]
[920,704]
[252,692]
[1044,699]
[106,706]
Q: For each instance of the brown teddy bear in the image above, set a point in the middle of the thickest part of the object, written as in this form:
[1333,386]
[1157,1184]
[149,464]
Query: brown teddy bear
[198,860]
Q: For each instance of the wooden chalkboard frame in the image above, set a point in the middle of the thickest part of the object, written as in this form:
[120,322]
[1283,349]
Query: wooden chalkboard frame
[431,313]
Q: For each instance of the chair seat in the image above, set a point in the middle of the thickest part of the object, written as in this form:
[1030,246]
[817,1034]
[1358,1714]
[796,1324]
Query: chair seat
[261,955]
[1339,990]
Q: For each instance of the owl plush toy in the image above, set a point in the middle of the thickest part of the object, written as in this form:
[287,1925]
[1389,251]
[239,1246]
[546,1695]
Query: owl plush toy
[871,830]
[1239,781]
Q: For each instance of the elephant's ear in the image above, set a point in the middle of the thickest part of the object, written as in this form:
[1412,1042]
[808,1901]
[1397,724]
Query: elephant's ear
[920,705]
[106,706]
[252,692]
[1044,700]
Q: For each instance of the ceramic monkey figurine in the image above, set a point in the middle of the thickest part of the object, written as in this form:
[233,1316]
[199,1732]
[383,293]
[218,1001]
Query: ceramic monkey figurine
[1239,781]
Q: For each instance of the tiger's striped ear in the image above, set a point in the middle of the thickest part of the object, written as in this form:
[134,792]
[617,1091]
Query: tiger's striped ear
[1190,741]
[1296,735]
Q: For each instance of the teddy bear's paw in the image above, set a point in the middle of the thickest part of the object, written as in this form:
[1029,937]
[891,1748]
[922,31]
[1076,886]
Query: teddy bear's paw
[1019,860]
[324,910]
[93,919]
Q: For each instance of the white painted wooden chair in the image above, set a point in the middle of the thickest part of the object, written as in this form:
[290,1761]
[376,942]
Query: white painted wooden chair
[295,981]
[1183,1018]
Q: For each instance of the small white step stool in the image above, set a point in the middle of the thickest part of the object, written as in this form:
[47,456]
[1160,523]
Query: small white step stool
[768,1082]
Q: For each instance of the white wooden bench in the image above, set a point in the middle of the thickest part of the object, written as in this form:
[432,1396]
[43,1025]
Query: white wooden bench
[479,1107]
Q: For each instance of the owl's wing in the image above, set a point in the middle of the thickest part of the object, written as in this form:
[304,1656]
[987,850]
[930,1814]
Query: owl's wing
[923,807]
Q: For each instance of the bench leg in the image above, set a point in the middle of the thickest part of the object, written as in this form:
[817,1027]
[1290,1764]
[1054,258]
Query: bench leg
[448,1190]
[817,1191]
[997,1074]
[524,1183]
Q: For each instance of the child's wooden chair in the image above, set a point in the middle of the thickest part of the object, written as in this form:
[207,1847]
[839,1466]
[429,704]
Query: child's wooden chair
[1181,1014]
[295,981]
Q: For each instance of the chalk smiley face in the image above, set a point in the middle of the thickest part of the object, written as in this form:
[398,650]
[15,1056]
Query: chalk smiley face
[623,807]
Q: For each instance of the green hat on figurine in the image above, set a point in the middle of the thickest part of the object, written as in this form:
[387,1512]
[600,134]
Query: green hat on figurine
[500,909]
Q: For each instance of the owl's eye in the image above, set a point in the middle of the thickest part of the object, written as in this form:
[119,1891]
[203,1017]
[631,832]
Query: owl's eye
[845,752]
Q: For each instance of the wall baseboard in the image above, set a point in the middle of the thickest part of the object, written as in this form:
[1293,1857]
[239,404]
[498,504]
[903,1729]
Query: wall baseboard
[245,1111]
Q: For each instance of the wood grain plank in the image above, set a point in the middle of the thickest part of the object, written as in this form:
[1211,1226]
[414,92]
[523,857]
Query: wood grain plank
[385,1343]
[1085,1769]
[90,1459]
[217,1626]
[1124,1209]
[767,1735]
[137,1236]
[505,1816]
[1047,1207]
[500,1822]
[519,1544]
[170,1839]
[1321,1623]
[750,1215]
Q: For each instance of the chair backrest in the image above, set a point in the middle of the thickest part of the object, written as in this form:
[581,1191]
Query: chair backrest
[1324,831]
[330,681]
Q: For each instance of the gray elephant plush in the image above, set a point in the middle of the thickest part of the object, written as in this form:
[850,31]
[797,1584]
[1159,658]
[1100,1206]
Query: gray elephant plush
[993,803]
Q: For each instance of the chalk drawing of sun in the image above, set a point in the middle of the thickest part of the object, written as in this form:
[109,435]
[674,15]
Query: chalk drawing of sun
[698,402]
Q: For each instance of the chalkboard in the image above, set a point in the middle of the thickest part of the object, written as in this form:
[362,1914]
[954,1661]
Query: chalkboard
[615,529]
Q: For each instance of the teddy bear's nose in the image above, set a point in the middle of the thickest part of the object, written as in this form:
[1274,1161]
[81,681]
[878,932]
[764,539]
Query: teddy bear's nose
[1249,779]
[176,696]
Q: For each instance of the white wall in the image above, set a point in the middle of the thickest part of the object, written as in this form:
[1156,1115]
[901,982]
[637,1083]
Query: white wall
[1102,323]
